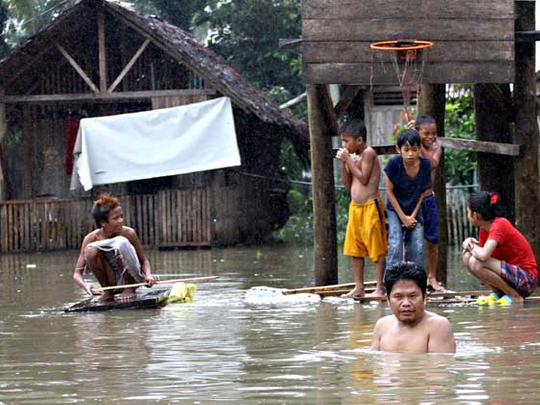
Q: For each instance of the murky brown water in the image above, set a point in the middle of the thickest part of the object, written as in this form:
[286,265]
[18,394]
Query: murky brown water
[221,348]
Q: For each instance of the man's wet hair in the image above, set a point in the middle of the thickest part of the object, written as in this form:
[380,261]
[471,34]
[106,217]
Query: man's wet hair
[405,271]
[410,136]
[424,120]
[102,208]
[355,128]
[486,203]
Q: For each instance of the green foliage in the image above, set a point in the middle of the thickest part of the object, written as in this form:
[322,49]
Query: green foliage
[299,227]
[247,33]
[460,165]
[24,18]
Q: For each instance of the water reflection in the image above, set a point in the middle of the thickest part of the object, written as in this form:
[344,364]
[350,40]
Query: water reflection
[224,348]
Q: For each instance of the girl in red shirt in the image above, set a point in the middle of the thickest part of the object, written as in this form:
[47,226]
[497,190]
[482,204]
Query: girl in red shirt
[502,258]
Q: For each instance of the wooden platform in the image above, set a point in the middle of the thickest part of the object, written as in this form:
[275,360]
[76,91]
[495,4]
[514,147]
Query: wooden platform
[435,298]
[146,298]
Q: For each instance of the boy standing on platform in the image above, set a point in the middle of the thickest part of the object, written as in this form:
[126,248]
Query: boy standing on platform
[408,176]
[427,128]
[366,231]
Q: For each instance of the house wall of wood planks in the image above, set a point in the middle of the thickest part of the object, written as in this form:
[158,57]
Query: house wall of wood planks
[166,219]
[474,40]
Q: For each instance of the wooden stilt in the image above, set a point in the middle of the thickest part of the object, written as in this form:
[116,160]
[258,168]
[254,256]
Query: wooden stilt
[493,114]
[527,192]
[324,210]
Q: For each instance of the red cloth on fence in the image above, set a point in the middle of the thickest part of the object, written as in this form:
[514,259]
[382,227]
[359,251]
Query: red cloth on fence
[72,127]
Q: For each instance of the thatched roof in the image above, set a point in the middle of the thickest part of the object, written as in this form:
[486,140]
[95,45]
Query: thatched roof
[175,42]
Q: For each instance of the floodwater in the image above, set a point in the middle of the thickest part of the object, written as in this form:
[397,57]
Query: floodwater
[225,347]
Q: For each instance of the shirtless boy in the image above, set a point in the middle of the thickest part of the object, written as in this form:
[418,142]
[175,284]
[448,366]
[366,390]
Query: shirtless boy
[411,329]
[427,127]
[366,231]
[113,253]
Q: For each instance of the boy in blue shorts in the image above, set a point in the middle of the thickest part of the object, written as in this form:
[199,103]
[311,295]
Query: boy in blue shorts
[427,128]
[408,177]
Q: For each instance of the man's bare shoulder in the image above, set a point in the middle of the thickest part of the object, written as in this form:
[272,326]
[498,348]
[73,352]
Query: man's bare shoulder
[384,322]
[434,321]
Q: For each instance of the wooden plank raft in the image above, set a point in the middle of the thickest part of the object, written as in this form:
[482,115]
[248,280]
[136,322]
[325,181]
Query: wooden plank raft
[143,299]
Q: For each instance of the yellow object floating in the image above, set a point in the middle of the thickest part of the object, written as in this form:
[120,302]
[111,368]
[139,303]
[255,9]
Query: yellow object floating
[180,292]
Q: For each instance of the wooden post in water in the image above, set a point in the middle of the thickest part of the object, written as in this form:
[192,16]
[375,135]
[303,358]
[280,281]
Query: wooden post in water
[526,165]
[493,115]
[432,102]
[324,209]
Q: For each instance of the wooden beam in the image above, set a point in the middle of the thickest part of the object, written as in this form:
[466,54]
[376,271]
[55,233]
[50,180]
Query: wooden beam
[346,99]
[129,65]
[105,96]
[385,9]
[384,73]
[481,146]
[102,54]
[466,144]
[377,29]
[528,36]
[289,43]
[77,68]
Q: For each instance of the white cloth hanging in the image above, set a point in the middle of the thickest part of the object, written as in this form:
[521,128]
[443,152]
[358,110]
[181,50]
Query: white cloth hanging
[191,138]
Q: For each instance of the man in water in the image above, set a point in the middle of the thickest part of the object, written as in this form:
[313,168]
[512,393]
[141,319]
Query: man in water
[113,253]
[411,329]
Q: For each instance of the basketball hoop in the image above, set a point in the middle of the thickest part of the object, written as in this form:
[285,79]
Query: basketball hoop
[407,57]
[405,48]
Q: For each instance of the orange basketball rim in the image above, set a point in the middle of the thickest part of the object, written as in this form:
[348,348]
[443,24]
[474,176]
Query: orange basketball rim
[401,45]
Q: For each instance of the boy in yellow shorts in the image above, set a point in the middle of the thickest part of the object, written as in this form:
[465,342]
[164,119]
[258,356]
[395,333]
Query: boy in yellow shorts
[366,230]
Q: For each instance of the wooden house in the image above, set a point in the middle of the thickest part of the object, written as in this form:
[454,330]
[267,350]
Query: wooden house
[102,58]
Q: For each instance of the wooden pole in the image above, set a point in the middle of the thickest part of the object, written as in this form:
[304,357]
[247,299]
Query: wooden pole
[492,108]
[4,192]
[180,280]
[28,152]
[432,102]
[527,134]
[324,209]
[102,55]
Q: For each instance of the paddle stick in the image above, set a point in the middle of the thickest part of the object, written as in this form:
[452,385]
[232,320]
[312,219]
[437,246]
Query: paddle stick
[179,280]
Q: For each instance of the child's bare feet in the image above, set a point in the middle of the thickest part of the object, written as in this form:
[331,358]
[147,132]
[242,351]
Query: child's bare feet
[127,294]
[106,296]
[377,293]
[435,285]
[356,293]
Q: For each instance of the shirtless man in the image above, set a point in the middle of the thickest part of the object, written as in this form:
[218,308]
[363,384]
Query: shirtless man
[112,252]
[411,329]
[366,229]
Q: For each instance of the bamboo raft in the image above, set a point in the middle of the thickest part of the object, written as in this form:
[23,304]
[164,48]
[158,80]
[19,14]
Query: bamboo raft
[445,297]
[143,300]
